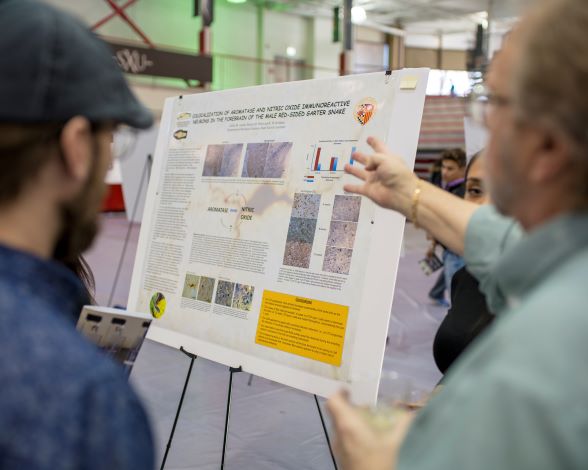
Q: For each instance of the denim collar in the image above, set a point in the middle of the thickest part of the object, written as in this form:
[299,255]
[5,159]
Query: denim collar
[44,280]
[540,253]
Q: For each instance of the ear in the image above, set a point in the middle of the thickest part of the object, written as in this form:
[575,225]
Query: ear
[550,155]
[76,148]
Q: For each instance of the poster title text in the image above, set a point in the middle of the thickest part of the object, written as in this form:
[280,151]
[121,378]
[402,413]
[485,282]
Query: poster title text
[325,108]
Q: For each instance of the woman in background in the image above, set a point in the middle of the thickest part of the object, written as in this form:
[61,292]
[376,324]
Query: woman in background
[469,314]
[81,269]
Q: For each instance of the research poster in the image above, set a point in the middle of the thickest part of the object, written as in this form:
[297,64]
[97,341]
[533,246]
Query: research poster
[251,253]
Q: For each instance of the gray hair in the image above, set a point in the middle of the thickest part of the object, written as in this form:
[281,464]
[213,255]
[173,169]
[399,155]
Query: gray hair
[551,84]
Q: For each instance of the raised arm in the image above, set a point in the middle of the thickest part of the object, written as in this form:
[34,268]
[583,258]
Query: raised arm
[391,184]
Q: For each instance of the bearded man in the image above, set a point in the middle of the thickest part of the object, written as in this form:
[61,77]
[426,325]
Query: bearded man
[64,405]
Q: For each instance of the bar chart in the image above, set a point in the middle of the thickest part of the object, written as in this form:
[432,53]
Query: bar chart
[331,156]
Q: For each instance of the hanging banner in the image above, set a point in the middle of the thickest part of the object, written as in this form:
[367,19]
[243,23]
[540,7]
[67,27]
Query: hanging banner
[251,254]
[140,60]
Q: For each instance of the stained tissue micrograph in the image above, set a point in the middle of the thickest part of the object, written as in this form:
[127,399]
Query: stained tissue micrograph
[342,234]
[213,160]
[191,283]
[346,208]
[224,293]
[278,156]
[255,156]
[306,205]
[337,260]
[231,160]
[243,297]
[297,254]
[205,289]
[301,230]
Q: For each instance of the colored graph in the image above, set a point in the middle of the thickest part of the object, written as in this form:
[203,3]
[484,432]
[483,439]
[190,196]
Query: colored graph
[331,156]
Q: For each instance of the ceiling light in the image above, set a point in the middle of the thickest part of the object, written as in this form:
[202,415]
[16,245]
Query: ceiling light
[236,1]
[358,14]
[481,18]
[291,51]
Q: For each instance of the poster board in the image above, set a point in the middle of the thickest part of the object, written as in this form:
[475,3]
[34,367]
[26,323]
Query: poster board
[250,252]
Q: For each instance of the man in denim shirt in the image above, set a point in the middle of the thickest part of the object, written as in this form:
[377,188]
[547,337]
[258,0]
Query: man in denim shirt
[63,405]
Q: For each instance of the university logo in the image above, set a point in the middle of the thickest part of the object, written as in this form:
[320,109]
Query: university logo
[364,110]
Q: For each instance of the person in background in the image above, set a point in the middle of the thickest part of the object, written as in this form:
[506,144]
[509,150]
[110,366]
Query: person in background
[80,267]
[64,404]
[518,398]
[469,314]
[435,176]
[453,166]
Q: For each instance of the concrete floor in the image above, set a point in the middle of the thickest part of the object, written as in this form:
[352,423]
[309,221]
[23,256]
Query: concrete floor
[272,426]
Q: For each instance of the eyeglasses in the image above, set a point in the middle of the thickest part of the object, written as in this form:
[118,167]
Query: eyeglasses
[123,142]
[123,138]
[481,102]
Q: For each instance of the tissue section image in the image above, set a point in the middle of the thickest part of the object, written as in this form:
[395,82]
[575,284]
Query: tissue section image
[205,289]
[301,230]
[337,260]
[342,234]
[255,157]
[346,208]
[191,283]
[222,160]
[231,160]
[306,205]
[243,297]
[224,293]
[297,254]
[266,160]
[213,160]
[278,156]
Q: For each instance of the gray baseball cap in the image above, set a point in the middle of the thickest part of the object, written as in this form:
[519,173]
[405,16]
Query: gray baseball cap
[53,68]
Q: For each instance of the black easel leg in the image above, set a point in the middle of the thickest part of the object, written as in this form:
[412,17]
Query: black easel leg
[232,371]
[326,432]
[173,430]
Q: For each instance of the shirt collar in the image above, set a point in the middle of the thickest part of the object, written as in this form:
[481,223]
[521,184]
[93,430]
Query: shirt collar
[454,183]
[538,254]
[46,280]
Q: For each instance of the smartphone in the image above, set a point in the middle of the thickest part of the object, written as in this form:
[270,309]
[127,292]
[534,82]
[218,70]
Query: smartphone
[430,264]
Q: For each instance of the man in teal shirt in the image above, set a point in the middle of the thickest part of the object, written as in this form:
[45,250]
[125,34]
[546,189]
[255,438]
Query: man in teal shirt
[519,398]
